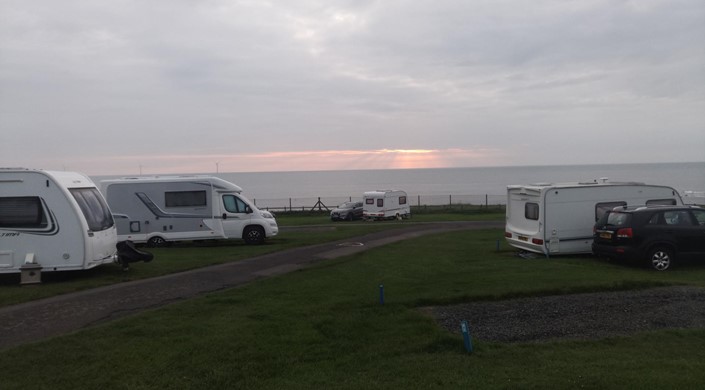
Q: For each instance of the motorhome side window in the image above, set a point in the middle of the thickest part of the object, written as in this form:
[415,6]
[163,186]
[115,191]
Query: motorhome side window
[380,202]
[369,201]
[531,211]
[233,204]
[185,199]
[94,208]
[402,200]
[602,208]
[22,212]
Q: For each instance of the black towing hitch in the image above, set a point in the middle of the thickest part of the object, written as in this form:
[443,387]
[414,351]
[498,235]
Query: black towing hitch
[127,253]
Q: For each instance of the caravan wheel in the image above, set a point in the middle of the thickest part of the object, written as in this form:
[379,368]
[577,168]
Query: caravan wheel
[398,217]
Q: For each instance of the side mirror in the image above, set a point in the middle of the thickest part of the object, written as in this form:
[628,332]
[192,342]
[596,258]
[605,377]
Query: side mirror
[248,210]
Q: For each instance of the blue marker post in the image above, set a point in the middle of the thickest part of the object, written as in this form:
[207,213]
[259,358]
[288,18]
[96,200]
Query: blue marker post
[466,336]
[381,294]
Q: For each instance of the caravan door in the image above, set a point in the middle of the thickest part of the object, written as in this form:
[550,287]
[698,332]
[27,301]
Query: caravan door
[236,215]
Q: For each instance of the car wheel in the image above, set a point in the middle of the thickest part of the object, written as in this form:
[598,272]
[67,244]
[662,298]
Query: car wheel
[156,242]
[350,216]
[253,235]
[661,258]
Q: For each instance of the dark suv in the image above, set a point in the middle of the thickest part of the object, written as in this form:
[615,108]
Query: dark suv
[658,234]
[347,212]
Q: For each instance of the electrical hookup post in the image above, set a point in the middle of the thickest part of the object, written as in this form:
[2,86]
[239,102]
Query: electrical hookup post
[467,339]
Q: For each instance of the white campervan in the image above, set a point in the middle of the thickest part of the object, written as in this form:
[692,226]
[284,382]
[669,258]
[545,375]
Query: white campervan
[158,209]
[54,221]
[385,204]
[558,218]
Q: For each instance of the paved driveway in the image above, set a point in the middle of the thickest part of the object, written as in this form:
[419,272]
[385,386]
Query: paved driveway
[42,319]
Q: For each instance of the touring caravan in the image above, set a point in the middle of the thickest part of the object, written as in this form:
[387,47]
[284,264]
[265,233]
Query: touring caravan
[159,209]
[385,204]
[53,221]
[558,218]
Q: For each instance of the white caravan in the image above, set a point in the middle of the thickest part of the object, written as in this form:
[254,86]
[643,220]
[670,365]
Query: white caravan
[53,221]
[155,210]
[385,204]
[558,218]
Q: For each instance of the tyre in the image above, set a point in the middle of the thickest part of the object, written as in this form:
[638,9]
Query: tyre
[398,216]
[156,242]
[661,258]
[253,235]
[349,216]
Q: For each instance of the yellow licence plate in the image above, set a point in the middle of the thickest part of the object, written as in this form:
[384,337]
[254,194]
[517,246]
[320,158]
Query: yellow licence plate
[606,235]
[522,238]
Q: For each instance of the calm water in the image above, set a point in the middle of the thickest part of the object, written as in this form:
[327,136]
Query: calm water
[442,182]
[458,181]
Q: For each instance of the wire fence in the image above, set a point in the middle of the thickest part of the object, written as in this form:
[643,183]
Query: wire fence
[329,203]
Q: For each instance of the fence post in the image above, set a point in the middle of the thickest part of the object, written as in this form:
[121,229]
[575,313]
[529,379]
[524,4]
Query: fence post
[290,209]
[486,204]
[418,202]
[450,200]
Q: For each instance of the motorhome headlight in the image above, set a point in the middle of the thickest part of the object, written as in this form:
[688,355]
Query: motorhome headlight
[267,214]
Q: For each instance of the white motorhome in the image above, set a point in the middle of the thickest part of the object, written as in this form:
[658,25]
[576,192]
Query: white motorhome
[159,209]
[385,204]
[53,221]
[558,218]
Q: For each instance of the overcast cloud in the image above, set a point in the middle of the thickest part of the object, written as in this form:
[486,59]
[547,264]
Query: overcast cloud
[113,87]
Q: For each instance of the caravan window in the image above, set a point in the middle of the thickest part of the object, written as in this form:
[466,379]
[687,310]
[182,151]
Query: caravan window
[402,200]
[22,212]
[602,208]
[185,199]
[531,211]
[369,201]
[380,202]
[94,208]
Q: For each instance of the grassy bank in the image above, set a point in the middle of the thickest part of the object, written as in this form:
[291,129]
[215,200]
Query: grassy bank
[325,328]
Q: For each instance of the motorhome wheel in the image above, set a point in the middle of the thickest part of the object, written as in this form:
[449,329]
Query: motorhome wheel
[253,235]
[156,242]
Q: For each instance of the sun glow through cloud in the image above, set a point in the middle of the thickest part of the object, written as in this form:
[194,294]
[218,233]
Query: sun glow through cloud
[317,160]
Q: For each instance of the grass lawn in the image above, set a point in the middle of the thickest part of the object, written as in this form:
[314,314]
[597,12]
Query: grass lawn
[324,327]
[176,258]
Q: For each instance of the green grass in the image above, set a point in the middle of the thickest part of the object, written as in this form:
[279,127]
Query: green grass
[176,258]
[323,327]
[418,213]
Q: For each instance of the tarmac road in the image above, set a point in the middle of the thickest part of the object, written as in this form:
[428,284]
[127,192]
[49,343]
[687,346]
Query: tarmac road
[63,314]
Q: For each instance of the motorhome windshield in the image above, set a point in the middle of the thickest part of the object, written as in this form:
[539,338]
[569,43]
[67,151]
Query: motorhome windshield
[94,208]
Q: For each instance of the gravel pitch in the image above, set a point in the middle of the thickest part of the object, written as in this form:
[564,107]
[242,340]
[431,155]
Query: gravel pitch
[578,316]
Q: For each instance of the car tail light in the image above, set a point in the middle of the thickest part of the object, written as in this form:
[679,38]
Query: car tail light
[625,233]
[507,234]
[537,241]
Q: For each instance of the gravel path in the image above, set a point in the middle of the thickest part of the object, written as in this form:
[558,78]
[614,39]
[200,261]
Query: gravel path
[577,316]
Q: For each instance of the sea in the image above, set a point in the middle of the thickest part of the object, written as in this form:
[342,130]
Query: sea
[451,185]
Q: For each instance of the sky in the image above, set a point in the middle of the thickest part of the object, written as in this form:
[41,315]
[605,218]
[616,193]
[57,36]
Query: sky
[185,86]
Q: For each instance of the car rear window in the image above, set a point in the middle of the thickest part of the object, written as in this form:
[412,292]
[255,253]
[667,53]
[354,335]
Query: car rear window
[618,219]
